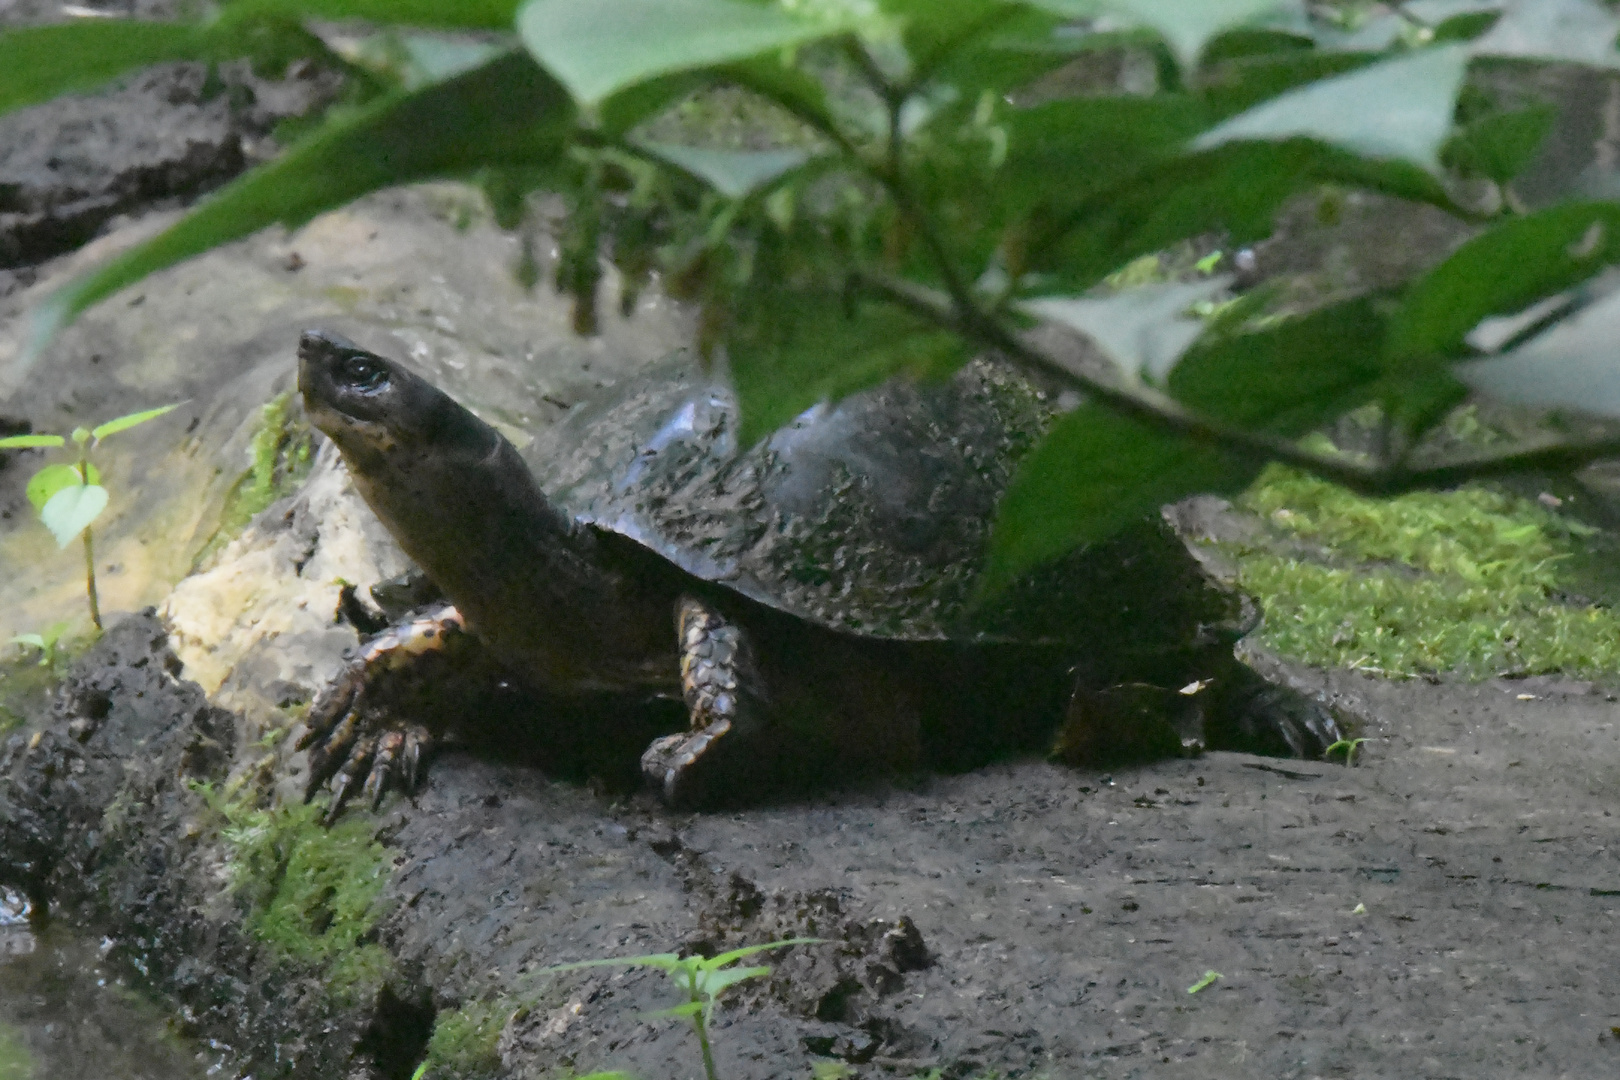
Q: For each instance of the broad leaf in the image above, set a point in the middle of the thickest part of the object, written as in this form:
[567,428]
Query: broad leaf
[447,14]
[124,423]
[39,62]
[1233,189]
[1503,271]
[1500,145]
[53,478]
[1570,366]
[1067,149]
[932,30]
[1188,25]
[597,47]
[1098,471]
[30,442]
[1581,31]
[506,113]
[1400,109]
[1291,377]
[1143,330]
[733,173]
[1234,86]
[791,349]
[71,510]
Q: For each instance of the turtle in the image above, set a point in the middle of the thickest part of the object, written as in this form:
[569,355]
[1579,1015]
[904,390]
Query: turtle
[812,602]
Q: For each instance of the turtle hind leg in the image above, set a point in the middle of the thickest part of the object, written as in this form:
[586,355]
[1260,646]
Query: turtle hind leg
[730,744]
[1252,714]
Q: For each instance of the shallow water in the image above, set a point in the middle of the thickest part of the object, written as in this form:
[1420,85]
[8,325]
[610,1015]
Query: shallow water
[64,1017]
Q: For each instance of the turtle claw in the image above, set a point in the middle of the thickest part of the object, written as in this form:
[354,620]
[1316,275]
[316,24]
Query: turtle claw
[672,765]
[349,743]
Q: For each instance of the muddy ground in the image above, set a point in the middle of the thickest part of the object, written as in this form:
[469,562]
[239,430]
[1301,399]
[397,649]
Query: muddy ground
[1446,908]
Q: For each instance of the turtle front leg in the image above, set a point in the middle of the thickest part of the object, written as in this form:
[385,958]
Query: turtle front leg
[348,734]
[725,702]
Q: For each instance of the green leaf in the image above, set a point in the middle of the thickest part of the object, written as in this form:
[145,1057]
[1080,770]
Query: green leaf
[39,62]
[506,113]
[597,47]
[1188,25]
[1207,980]
[686,1010]
[1500,145]
[733,173]
[792,349]
[714,981]
[733,955]
[1291,377]
[1570,366]
[1236,85]
[1143,330]
[1503,271]
[124,423]
[1067,149]
[71,510]
[29,442]
[53,478]
[1096,472]
[33,640]
[661,961]
[932,30]
[1579,31]
[448,14]
[1233,189]
[1403,110]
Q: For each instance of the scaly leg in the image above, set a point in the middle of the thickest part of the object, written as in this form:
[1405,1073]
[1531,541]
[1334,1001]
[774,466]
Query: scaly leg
[348,740]
[724,700]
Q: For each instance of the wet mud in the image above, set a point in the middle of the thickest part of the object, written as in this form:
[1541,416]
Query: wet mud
[1446,907]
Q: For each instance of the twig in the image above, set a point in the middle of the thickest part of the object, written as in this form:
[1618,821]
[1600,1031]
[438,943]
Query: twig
[1164,413]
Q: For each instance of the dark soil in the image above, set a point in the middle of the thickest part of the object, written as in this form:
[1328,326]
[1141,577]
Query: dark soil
[1062,914]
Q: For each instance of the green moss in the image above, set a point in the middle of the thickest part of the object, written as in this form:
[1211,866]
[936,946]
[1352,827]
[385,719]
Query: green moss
[311,891]
[463,1046]
[282,456]
[16,1063]
[1465,581]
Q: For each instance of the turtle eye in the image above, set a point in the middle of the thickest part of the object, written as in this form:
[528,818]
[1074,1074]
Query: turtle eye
[364,373]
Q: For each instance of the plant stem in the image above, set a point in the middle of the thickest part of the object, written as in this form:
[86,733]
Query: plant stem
[1164,413]
[703,1041]
[90,578]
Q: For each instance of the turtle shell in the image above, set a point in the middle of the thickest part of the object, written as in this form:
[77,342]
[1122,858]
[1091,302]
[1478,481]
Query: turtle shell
[870,516]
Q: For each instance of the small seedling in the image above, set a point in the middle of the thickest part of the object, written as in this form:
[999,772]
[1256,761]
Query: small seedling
[47,644]
[1346,746]
[70,497]
[701,980]
[1206,982]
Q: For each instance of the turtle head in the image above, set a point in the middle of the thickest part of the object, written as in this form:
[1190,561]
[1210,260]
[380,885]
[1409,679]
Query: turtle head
[377,410]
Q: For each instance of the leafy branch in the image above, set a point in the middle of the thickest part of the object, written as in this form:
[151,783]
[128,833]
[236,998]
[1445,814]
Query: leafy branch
[913,184]
[1390,476]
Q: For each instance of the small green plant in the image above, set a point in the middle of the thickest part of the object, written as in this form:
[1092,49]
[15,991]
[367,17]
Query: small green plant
[48,644]
[1209,979]
[69,497]
[701,979]
[1347,747]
